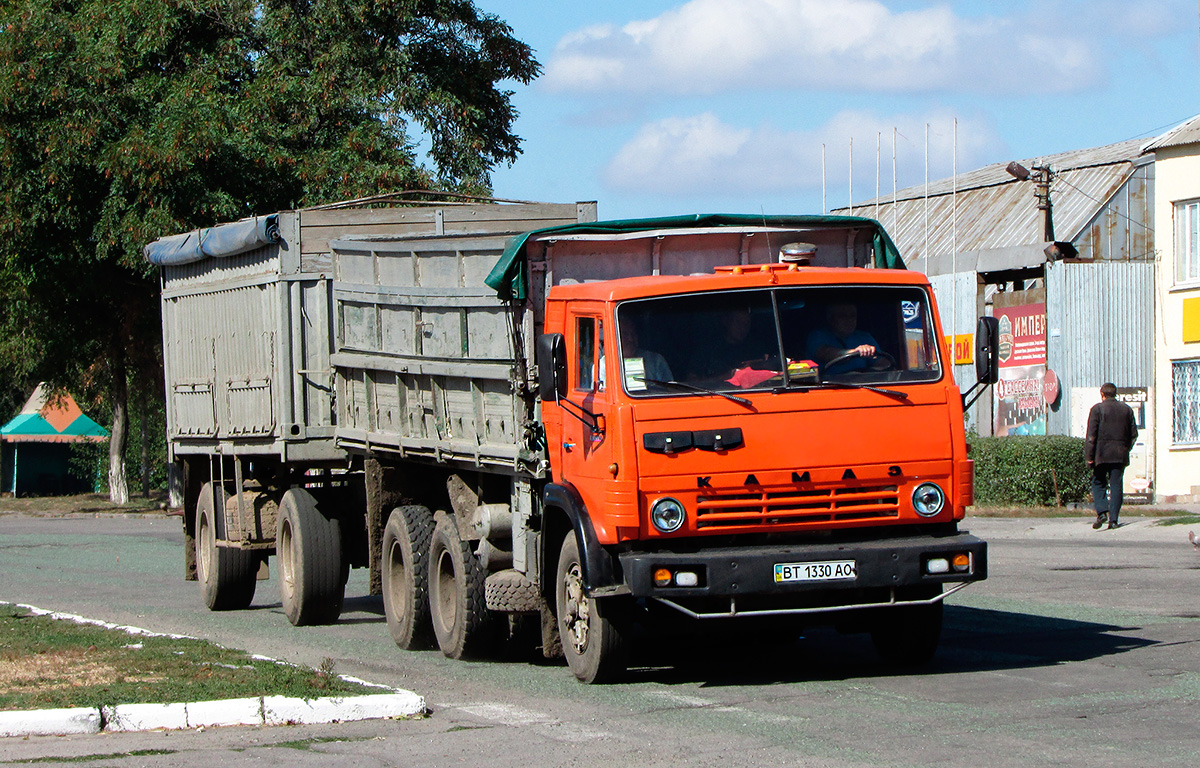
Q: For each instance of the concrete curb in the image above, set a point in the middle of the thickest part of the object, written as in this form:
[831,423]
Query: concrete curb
[265,710]
[260,710]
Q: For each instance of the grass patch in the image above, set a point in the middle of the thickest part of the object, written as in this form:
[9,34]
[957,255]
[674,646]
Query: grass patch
[1181,520]
[82,503]
[1129,510]
[90,758]
[307,744]
[49,663]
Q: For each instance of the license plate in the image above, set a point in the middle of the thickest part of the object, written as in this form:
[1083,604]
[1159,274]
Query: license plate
[834,570]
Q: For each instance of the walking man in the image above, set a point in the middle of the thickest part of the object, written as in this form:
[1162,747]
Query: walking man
[1111,431]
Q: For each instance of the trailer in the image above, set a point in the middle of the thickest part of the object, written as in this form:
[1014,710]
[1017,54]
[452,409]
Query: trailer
[424,391]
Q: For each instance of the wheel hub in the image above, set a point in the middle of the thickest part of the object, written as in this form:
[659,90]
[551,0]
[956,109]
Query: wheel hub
[577,613]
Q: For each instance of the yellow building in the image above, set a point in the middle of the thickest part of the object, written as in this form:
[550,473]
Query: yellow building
[1177,317]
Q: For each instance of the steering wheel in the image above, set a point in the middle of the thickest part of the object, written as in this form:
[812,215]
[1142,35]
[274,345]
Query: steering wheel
[880,356]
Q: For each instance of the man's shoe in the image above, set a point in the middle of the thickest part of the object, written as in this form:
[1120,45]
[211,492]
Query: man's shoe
[1099,521]
[1112,526]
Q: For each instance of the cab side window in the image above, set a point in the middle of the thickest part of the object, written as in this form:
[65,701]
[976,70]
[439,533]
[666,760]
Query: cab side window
[585,353]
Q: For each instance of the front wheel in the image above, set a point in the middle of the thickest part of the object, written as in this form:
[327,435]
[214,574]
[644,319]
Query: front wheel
[595,638]
[312,573]
[226,574]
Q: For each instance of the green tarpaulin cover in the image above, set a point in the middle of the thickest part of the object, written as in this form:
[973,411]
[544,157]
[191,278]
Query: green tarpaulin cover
[509,276]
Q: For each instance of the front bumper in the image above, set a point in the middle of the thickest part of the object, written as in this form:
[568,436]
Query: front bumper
[888,572]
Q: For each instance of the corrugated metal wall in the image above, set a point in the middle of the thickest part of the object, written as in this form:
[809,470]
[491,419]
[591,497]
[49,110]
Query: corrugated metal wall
[1122,229]
[958,306]
[1099,327]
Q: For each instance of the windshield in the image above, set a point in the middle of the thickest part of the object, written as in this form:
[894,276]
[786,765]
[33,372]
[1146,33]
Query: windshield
[741,340]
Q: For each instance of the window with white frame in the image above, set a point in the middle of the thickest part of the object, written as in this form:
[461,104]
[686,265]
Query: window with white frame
[1187,241]
[1185,401]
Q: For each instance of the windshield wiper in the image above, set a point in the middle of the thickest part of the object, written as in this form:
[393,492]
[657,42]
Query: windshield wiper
[702,390]
[847,385]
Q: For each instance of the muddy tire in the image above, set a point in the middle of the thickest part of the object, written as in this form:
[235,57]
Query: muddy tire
[312,572]
[227,575]
[511,592]
[594,633]
[457,603]
[406,539]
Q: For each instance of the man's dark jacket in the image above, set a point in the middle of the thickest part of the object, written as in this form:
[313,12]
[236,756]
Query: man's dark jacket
[1111,431]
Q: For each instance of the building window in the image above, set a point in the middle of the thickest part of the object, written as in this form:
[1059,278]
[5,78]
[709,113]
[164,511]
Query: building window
[1187,242]
[1185,400]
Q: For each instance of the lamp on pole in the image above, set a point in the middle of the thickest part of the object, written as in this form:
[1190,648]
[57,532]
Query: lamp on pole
[1041,176]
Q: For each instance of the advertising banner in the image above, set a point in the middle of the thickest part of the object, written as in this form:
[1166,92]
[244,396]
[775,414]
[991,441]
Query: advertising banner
[1139,482]
[1020,405]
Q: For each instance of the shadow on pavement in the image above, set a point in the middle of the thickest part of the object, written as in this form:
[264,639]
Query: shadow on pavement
[973,640]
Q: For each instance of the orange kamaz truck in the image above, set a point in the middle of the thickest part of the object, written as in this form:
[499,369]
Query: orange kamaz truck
[531,426]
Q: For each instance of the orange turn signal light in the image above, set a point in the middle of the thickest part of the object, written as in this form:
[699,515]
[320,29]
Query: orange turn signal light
[662,577]
[961,561]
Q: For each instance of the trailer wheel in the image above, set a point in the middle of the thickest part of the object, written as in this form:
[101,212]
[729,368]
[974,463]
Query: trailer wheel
[312,572]
[457,601]
[406,540]
[908,636]
[226,574]
[595,636]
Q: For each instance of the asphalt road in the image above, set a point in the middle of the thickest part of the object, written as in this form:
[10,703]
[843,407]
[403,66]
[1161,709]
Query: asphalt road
[1080,649]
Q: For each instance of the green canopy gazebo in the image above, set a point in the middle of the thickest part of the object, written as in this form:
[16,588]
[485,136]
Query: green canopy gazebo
[35,447]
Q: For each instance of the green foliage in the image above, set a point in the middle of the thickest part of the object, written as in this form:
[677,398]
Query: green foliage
[145,453]
[125,120]
[1023,470]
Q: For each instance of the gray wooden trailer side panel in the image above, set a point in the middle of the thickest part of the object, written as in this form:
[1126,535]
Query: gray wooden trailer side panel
[425,357]
[249,339]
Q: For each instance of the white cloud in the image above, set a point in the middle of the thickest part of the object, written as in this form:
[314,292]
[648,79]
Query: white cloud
[701,155]
[709,46]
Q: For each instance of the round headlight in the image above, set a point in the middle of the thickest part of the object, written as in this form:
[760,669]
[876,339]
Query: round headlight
[667,515]
[928,499]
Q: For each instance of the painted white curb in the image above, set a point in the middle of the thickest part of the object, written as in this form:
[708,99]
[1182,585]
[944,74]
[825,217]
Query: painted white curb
[281,710]
[208,714]
[262,710]
[144,717]
[268,710]
[50,721]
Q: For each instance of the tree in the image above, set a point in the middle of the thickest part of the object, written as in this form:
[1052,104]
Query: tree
[125,120]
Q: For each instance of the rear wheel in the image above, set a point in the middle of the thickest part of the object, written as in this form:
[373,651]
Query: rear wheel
[457,601]
[226,574]
[406,541]
[312,572]
[908,636]
[594,634]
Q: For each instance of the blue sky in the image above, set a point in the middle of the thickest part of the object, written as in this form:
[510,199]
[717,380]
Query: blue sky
[657,108]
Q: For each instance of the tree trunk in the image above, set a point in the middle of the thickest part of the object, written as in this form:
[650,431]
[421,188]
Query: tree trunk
[118,487]
[144,433]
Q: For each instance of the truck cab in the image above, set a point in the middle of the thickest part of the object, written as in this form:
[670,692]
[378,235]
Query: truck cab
[765,440]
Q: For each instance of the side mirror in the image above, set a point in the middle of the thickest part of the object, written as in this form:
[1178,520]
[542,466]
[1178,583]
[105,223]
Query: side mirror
[987,350]
[551,366]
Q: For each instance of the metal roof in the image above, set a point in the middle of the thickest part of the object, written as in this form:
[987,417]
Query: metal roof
[995,210]
[1185,133]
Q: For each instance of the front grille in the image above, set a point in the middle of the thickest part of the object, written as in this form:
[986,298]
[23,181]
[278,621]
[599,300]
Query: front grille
[739,508]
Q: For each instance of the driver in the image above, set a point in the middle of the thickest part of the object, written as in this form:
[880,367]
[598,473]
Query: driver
[839,337]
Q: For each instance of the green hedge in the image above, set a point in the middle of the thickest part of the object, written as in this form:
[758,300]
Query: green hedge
[1022,470]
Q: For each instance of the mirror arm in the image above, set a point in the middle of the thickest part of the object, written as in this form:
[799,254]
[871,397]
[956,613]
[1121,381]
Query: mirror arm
[982,386]
[592,421]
